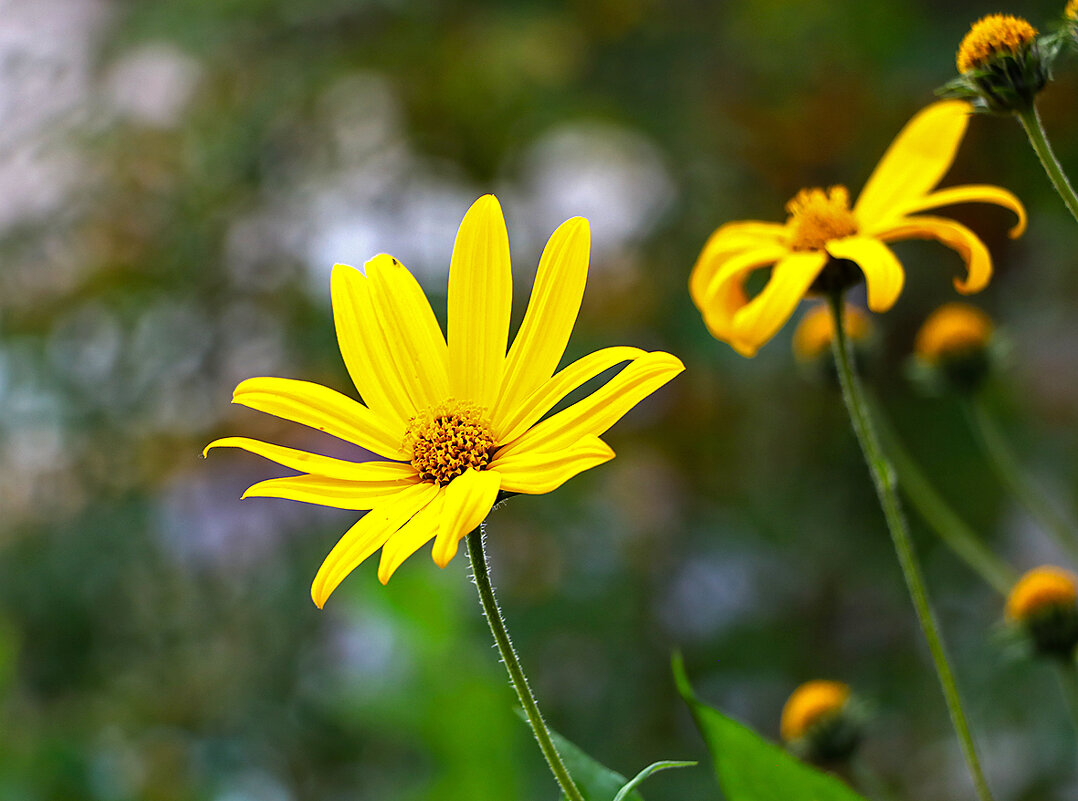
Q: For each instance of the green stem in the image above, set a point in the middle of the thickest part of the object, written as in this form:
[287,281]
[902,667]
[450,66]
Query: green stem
[481,574]
[954,531]
[1031,121]
[1010,473]
[883,477]
[1068,680]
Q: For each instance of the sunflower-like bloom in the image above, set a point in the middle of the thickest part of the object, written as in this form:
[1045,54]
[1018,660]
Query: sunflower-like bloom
[816,250]
[456,421]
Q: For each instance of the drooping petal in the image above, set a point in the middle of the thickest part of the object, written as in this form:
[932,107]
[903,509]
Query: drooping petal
[480,301]
[973,193]
[598,411]
[367,536]
[410,331]
[357,496]
[416,533]
[324,409]
[724,295]
[527,413]
[468,501]
[955,236]
[535,473]
[544,333]
[915,162]
[307,462]
[757,321]
[728,241]
[363,347]
[883,271]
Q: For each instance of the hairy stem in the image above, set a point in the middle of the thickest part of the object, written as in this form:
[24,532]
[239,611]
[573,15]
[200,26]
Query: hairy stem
[1031,121]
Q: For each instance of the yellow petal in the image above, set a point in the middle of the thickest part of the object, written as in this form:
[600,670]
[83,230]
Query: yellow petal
[535,473]
[955,236]
[468,500]
[544,333]
[725,295]
[915,162]
[416,533]
[367,536]
[303,461]
[480,301]
[322,408]
[335,492]
[755,323]
[973,193]
[584,369]
[364,351]
[727,241]
[411,335]
[883,271]
[598,411]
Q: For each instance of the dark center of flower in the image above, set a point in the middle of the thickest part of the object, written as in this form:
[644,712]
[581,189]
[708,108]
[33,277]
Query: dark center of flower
[448,439]
[818,216]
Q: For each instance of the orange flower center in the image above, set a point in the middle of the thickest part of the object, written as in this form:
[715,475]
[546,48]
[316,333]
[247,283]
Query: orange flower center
[1040,589]
[811,703]
[991,36]
[448,439]
[817,217]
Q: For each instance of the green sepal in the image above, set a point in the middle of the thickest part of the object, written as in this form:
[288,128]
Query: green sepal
[748,767]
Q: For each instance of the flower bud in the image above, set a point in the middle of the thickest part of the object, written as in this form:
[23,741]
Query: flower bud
[1044,603]
[952,346]
[819,724]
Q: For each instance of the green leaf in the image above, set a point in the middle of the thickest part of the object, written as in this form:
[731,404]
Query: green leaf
[655,767]
[596,781]
[748,767]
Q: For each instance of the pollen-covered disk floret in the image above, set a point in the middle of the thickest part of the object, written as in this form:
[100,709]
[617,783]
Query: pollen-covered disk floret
[991,36]
[818,216]
[448,439]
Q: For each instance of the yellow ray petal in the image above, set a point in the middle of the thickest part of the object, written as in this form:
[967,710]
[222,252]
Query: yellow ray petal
[410,333]
[544,333]
[973,193]
[530,411]
[598,411]
[727,241]
[480,301]
[535,473]
[915,162]
[416,533]
[468,500]
[302,460]
[357,496]
[367,536]
[322,408]
[363,349]
[883,271]
[755,323]
[955,236]
[725,294]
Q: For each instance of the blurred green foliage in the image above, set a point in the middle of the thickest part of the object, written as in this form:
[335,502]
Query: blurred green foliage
[179,175]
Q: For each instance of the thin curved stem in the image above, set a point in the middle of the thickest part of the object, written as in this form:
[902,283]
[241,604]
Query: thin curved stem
[481,575]
[1031,121]
[954,531]
[1010,473]
[883,477]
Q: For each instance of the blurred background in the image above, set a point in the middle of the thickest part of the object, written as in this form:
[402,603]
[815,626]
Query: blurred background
[176,180]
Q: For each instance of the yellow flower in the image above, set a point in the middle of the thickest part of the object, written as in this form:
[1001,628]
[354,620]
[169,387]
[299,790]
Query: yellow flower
[1071,11]
[1042,589]
[814,333]
[456,422]
[993,36]
[954,329]
[811,703]
[824,240]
